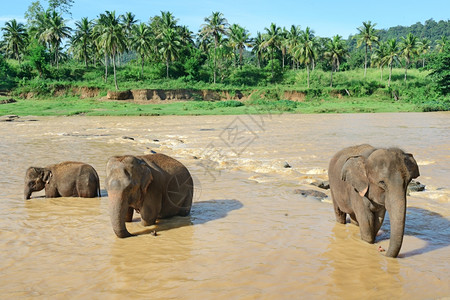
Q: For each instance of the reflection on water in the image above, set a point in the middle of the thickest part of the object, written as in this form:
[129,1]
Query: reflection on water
[248,236]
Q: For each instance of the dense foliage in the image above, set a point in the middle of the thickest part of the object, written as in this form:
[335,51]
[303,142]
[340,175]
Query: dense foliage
[46,52]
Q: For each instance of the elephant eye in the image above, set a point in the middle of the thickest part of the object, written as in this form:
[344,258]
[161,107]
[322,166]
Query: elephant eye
[382,184]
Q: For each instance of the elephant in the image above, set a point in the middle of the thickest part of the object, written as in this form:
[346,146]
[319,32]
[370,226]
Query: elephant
[365,182]
[65,179]
[155,185]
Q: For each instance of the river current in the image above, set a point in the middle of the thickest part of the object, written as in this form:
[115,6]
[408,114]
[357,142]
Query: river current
[249,235]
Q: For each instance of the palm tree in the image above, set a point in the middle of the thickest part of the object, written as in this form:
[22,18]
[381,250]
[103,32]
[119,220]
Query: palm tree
[272,40]
[15,36]
[128,20]
[379,56]
[336,51]
[408,48]
[141,42]
[257,47]
[82,38]
[391,56]
[306,51]
[170,45]
[54,32]
[293,40]
[240,38]
[215,25]
[368,36]
[112,37]
[423,49]
[440,44]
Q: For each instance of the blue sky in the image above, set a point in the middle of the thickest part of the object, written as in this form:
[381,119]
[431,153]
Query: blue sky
[326,18]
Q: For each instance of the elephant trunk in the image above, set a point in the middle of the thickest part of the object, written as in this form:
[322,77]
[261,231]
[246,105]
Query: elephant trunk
[397,215]
[27,193]
[118,209]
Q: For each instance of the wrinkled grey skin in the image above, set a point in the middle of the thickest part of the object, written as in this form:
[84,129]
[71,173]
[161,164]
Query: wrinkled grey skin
[66,179]
[364,182]
[155,185]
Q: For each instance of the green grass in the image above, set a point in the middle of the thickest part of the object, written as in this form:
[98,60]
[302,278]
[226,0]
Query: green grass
[74,106]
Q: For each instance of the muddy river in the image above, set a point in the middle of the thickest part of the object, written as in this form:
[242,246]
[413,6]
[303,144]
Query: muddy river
[249,235]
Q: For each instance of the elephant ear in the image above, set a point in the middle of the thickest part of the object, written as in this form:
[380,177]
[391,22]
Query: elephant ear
[47,176]
[411,166]
[354,172]
[146,176]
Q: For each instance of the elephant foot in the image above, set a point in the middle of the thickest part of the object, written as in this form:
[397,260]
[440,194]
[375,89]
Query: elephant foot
[148,223]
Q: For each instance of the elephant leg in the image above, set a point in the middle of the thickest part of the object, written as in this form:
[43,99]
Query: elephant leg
[186,206]
[51,192]
[353,220]
[151,208]
[340,215]
[129,217]
[366,219]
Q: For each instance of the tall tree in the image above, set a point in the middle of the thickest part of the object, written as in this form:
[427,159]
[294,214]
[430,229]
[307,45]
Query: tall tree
[272,41]
[257,47]
[15,36]
[423,49]
[441,43]
[367,36]
[306,51]
[128,20]
[112,38]
[215,26]
[240,39]
[336,51]
[170,45]
[62,6]
[82,39]
[141,42]
[293,40]
[55,30]
[379,56]
[391,56]
[408,49]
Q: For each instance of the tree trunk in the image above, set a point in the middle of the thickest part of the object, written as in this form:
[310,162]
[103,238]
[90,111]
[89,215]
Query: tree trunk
[167,68]
[365,63]
[406,68]
[114,69]
[307,68]
[390,74]
[142,66]
[106,67]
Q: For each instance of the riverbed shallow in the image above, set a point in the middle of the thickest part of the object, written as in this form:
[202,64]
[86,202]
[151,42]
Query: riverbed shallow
[248,236]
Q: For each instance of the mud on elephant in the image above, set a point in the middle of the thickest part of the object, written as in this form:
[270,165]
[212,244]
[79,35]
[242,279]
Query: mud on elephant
[364,182]
[65,179]
[155,185]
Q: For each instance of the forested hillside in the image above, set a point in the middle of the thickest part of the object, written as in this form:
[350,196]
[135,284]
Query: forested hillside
[431,30]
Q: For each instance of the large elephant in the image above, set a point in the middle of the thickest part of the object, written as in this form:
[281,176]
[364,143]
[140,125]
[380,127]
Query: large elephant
[65,179]
[155,185]
[364,182]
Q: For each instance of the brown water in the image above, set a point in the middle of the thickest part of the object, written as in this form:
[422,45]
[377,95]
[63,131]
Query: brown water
[249,236]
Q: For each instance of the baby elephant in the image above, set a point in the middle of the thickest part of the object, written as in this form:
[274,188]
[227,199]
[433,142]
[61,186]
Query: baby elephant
[66,179]
[365,182]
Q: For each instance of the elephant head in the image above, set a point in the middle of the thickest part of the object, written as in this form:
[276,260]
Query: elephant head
[127,181]
[35,180]
[383,176]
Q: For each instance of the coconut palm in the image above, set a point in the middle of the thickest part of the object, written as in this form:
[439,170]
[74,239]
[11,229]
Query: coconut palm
[215,26]
[128,20]
[408,49]
[82,39]
[112,37]
[423,49]
[257,47]
[15,37]
[367,36]
[55,30]
[440,44]
[239,38]
[379,56]
[336,50]
[141,42]
[272,41]
[293,40]
[306,51]
[391,56]
[170,46]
